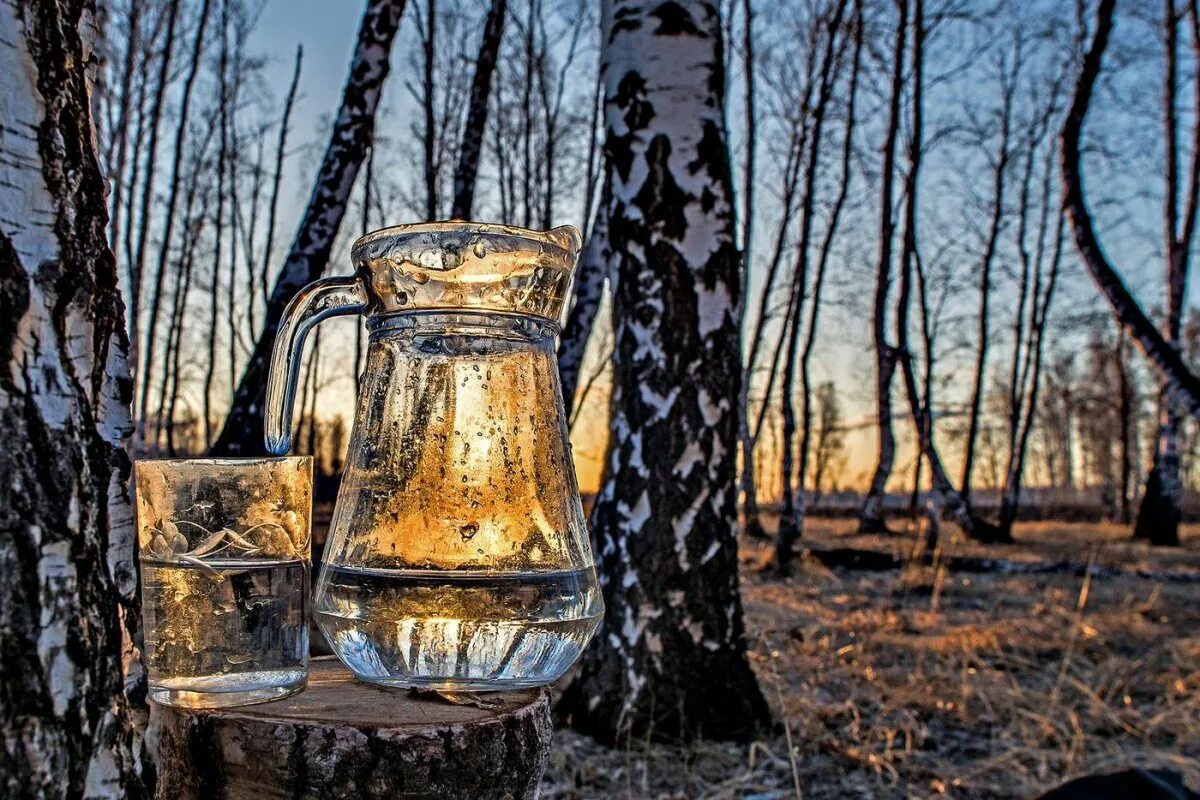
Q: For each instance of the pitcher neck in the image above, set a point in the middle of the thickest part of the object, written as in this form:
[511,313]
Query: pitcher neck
[463,323]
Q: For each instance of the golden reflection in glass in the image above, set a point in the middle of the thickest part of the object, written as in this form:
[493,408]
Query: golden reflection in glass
[458,555]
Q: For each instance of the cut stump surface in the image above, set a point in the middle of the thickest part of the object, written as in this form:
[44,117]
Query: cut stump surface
[342,738]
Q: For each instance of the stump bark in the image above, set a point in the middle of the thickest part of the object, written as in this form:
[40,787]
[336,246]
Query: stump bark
[342,738]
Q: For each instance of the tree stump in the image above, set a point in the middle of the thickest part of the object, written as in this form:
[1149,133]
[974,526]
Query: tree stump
[342,738]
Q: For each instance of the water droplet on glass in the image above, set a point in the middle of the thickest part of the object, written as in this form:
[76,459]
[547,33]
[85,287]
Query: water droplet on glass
[468,531]
[479,250]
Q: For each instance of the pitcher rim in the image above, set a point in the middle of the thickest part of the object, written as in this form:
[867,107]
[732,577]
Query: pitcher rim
[565,238]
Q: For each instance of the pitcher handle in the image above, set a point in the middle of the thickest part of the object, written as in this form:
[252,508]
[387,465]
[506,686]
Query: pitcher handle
[328,297]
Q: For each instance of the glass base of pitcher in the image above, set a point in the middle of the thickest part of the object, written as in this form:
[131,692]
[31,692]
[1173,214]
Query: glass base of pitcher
[222,692]
[457,632]
[427,654]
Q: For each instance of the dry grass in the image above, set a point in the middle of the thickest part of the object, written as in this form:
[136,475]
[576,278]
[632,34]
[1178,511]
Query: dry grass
[922,682]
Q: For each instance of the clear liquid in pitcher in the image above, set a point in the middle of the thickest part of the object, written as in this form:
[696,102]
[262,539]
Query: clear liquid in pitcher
[467,631]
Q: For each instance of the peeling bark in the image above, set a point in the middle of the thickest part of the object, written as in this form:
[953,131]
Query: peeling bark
[353,132]
[71,698]
[670,662]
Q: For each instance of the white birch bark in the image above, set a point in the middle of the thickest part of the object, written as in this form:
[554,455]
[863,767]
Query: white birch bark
[671,658]
[68,610]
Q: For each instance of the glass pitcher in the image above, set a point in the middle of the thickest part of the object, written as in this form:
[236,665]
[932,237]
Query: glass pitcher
[458,557]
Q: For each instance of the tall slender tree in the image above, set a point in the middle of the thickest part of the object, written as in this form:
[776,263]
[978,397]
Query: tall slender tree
[1159,515]
[137,264]
[790,521]
[749,486]
[1009,74]
[672,662]
[870,518]
[475,127]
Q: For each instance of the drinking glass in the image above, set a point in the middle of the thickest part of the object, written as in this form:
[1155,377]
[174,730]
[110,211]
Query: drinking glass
[224,548]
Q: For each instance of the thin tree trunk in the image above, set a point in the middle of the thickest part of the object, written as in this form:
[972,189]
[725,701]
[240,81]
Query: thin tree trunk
[791,181]
[137,266]
[477,109]
[782,557]
[503,168]
[175,348]
[191,235]
[753,525]
[1181,385]
[129,69]
[870,518]
[790,522]
[214,307]
[672,663]
[429,104]
[255,277]
[1160,512]
[527,118]
[1125,404]
[128,239]
[71,702]
[944,495]
[280,153]
[169,214]
[353,132]
[593,168]
[1025,398]
[999,174]
[231,86]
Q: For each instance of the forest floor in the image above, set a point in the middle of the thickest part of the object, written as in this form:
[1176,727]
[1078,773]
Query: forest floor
[977,680]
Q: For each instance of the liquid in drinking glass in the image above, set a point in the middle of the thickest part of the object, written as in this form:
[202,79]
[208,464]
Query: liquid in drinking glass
[224,547]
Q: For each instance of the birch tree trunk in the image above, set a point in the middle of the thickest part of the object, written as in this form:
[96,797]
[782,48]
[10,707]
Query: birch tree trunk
[69,719]
[137,265]
[671,660]
[749,487]
[477,108]
[1159,515]
[1180,387]
[870,518]
[353,132]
